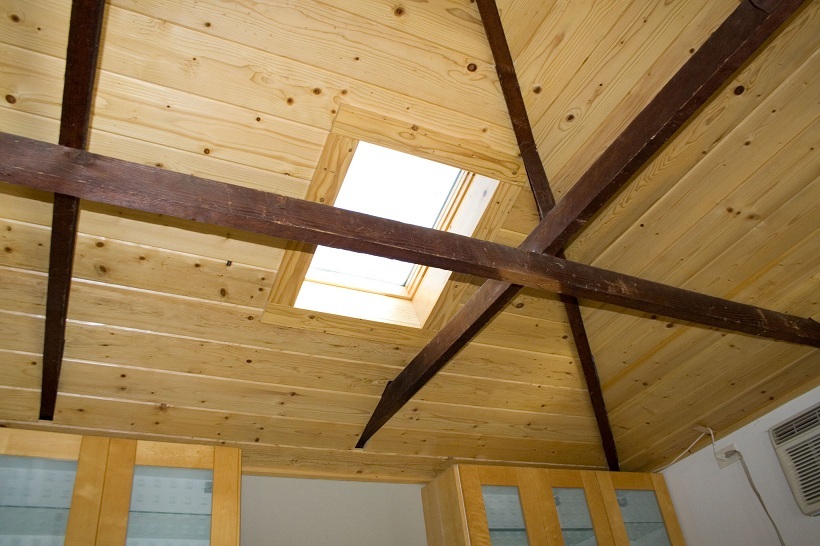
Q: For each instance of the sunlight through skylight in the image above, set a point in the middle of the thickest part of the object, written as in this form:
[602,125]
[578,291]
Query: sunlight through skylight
[391,185]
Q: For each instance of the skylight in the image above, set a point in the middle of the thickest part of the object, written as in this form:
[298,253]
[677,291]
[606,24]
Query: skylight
[392,185]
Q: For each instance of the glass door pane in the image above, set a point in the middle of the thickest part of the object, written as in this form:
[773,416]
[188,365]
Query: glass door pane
[170,506]
[642,517]
[573,514]
[35,496]
[504,515]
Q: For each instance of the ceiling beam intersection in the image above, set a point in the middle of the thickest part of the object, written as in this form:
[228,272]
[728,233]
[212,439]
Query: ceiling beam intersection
[731,45]
[85,28]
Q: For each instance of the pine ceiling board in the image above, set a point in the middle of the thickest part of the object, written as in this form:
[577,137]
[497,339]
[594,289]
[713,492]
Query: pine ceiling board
[596,101]
[524,366]
[136,349]
[147,112]
[162,53]
[20,370]
[527,303]
[626,84]
[452,24]
[659,347]
[719,374]
[449,390]
[240,419]
[138,266]
[738,171]
[754,84]
[348,45]
[521,20]
[735,271]
[694,378]
[28,125]
[790,381]
[23,404]
[23,333]
[719,189]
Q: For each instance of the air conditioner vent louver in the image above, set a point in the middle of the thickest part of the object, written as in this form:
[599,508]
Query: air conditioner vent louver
[806,459]
[797,445]
[805,421]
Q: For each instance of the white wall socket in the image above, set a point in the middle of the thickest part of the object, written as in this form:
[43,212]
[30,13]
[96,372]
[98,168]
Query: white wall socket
[727,456]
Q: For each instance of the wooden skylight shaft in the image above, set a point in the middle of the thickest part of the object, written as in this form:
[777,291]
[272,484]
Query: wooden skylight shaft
[545,201]
[78,97]
[731,45]
[54,168]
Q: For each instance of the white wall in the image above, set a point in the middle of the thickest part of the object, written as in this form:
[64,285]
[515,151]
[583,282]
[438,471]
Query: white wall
[717,507]
[299,512]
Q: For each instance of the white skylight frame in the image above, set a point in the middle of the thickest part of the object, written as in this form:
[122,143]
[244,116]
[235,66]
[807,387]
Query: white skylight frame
[462,199]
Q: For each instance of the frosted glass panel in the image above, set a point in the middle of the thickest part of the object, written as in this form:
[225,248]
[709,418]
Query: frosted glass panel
[35,495]
[504,516]
[642,517]
[170,506]
[573,514]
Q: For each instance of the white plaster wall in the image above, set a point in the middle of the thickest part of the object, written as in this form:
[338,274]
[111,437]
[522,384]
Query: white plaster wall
[300,512]
[717,507]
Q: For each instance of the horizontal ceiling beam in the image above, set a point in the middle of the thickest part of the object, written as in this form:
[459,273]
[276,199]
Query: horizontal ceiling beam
[84,175]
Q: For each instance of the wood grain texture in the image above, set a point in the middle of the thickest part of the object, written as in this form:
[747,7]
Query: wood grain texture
[116,495]
[86,501]
[225,507]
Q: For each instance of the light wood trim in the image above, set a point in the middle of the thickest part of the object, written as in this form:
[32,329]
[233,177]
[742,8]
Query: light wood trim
[613,511]
[35,443]
[116,496]
[670,518]
[497,475]
[552,524]
[84,516]
[174,455]
[444,513]
[631,480]
[324,188]
[535,495]
[407,137]
[565,478]
[474,510]
[226,496]
[597,508]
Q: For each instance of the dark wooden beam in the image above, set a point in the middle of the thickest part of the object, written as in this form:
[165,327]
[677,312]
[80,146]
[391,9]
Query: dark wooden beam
[511,90]
[590,371]
[78,95]
[545,201]
[731,45]
[54,168]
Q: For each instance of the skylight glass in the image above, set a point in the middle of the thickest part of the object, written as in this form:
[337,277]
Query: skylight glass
[392,185]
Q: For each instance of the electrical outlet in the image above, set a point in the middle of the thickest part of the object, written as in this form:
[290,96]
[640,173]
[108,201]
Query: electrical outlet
[727,456]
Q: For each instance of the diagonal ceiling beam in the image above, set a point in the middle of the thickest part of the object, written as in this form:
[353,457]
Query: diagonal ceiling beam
[732,44]
[54,168]
[544,201]
[78,95]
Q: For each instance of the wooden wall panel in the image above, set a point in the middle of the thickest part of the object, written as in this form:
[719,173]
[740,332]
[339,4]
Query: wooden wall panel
[88,491]
[225,508]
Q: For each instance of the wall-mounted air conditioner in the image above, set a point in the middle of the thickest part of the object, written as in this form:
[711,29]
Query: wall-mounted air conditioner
[797,444]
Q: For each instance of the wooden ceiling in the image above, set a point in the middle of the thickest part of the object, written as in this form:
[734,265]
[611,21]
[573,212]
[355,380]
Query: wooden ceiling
[164,337]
